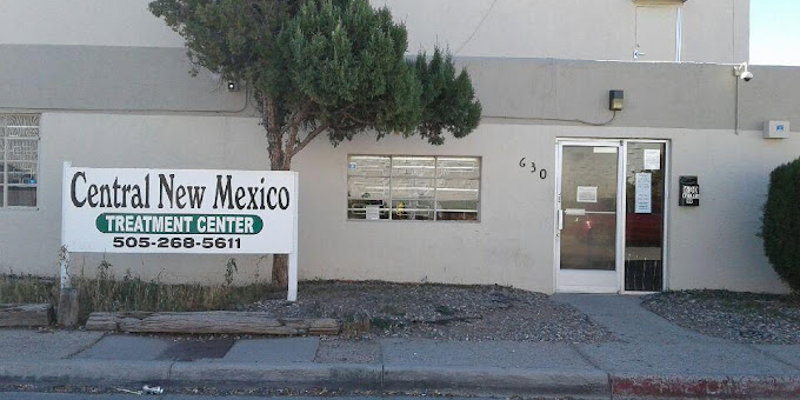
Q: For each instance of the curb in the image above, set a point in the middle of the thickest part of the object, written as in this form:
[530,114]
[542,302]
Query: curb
[301,375]
[446,380]
[177,375]
[72,371]
[776,387]
[497,381]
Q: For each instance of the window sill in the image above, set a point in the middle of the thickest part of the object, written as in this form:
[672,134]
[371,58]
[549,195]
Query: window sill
[446,221]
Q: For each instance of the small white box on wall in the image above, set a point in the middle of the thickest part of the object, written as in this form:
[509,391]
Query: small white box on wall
[776,129]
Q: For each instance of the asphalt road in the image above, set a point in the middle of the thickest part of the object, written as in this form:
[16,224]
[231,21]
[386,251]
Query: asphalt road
[82,396]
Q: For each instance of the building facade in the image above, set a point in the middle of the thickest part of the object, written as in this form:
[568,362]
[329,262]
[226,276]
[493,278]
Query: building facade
[553,192]
[622,30]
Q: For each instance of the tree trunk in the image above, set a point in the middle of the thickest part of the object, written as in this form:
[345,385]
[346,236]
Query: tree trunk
[280,262]
[280,270]
[280,160]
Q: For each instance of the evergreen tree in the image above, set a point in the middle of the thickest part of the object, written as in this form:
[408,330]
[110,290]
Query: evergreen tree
[781,223]
[334,67]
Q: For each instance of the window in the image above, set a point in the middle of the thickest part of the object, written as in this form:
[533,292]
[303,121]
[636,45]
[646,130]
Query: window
[19,160]
[421,188]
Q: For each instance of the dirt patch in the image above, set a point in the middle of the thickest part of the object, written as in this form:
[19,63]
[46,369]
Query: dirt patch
[741,317]
[381,309]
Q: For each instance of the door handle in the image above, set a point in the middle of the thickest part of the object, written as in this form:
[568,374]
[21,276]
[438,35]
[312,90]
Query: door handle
[560,220]
[575,211]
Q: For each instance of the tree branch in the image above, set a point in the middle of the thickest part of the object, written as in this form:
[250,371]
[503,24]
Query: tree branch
[274,134]
[350,116]
[270,112]
[311,135]
[294,132]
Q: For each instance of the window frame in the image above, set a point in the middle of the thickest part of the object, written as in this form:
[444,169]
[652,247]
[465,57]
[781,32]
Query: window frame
[434,199]
[5,122]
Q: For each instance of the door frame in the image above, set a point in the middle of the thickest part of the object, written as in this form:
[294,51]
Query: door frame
[622,163]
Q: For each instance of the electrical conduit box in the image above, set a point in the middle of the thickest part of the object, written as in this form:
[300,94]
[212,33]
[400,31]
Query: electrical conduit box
[776,129]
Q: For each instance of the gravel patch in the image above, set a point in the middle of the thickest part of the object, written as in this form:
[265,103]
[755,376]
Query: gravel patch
[740,317]
[381,309]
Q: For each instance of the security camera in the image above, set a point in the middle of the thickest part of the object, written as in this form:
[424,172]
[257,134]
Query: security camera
[742,72]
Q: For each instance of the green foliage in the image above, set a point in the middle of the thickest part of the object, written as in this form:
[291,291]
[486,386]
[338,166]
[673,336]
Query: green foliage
[781,223]
[446,99]
[105,292]
[134,294]
[21,289]
[381,323]
[333,66]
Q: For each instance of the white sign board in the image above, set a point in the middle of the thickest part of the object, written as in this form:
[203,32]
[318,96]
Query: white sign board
[652,159]
[122,210]
[586,194]
[179,211]
[643,196]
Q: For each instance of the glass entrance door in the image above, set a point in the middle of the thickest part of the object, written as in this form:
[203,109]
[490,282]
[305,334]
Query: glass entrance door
[588,217]
[610,205]
[645,181]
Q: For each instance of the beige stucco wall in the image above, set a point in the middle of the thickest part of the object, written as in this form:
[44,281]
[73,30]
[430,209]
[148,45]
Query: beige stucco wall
[713,30]
[83,22]
[713,246]
[29,239]
[133,105]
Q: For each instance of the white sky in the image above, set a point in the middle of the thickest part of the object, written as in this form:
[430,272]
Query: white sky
[775,32]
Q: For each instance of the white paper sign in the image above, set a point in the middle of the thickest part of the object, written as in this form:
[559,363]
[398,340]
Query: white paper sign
[643,196]
[115,210]
[652,159]
[587,194]
[373,212]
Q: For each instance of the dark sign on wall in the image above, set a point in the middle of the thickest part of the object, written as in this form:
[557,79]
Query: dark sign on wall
[690,192]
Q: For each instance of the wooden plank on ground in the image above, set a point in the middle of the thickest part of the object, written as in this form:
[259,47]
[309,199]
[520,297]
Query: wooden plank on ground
[25,315]
[102,321]
[209,322]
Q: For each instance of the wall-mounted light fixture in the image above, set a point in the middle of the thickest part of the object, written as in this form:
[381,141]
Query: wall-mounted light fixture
[232,86]
[616,100]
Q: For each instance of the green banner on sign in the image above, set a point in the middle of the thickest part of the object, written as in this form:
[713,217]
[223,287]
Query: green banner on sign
[225,224]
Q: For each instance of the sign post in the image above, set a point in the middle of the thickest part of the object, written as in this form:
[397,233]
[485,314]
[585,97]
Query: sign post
[137,210]
[63,254]
[292,290]
[67,315]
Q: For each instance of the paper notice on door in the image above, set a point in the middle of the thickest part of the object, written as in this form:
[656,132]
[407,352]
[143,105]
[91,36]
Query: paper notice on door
[652,159]
[587,194]
[643,197]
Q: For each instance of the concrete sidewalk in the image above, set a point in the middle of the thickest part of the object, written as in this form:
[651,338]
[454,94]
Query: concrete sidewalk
[651,358]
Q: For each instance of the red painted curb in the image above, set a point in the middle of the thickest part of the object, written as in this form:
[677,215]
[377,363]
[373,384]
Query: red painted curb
[724,387]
